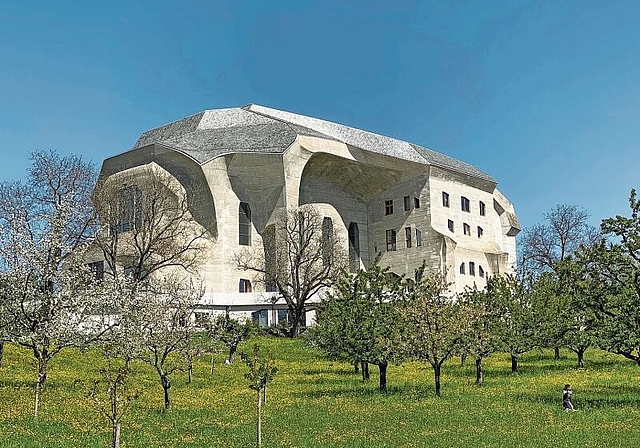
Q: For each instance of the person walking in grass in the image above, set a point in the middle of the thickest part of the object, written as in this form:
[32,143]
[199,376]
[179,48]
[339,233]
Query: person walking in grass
[567,394]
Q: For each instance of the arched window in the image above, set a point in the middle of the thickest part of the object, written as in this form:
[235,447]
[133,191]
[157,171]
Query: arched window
[244,224]
[327,240]
[354,247]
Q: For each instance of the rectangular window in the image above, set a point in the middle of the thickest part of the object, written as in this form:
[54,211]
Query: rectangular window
[244,285]
[391,240]
[462,268]
[407,203]
[445,199]
[450,225]
[244,224]
[418,238]
[464,204]
[482,209]
[416,202]
[472,268]
[480,232]
[388,207]
[407,236]
[466,229]
[97,269]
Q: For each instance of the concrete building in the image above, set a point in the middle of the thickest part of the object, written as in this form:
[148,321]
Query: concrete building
[387,196]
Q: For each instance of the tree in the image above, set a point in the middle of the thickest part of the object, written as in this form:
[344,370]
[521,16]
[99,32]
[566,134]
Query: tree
[113,386]
[482,337]
[232,333]
[152,247]
[45,226]
[166,328]
[301,257]
[361,320]
[544,244]
[434,323]
[517,324]
[613,272]
[261,372]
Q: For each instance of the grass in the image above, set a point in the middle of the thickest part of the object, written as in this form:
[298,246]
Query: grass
[317,403]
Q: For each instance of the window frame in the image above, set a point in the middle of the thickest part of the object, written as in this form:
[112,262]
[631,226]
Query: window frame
[480,232]
[451,225]
[406,202]
[465,204]
[466,229]
[483,208]
[445,199]
[418,238]
[407,237]
[244,286]
[472,268]
[391,239]
[244,224]
[388,207]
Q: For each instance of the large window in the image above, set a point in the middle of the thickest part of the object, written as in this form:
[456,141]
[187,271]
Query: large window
[130,213]
[464,204]
[260,318]
[388,207]
[327,240]
[354,247]
[407,236]
[391,240]
[244,224]
[445,199]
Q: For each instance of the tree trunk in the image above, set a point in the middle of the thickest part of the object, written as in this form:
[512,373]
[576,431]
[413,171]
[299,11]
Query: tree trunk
[294,332]
[232,353]
[212,358]
[356,367]
[514,364]
[479,378]
[166,386]
[42,378]
[1,352]
[383,377]
[556,353]
[580,353]
[190,373]
[365,370]
[463,358]
[116,436]
[259,425]
[436,376]
[264,394]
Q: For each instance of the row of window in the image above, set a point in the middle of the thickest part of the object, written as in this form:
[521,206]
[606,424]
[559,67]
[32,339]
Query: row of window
[408,234]
[406,202]
[466,228]
[472,269]
[465,204]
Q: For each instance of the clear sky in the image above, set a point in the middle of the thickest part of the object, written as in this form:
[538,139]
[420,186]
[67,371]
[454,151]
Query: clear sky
[542,95]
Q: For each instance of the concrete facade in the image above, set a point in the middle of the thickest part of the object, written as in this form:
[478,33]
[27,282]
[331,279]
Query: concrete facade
[272,160]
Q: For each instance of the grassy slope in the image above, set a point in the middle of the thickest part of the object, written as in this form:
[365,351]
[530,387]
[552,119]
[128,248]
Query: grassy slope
[316,403]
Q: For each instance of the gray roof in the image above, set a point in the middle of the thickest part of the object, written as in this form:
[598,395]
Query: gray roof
[253,128]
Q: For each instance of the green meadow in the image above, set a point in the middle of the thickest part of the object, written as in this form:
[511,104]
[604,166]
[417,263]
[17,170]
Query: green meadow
[314,402]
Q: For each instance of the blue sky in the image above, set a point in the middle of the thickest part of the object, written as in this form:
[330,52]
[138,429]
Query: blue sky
[542,95]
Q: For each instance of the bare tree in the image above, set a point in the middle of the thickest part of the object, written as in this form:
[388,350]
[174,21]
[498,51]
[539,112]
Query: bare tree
[261,371]
[301,257]
[112,395]
[151,246]
[45,225]
[565,228]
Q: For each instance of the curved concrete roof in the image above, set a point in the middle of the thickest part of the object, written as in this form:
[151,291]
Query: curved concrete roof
[253,128]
